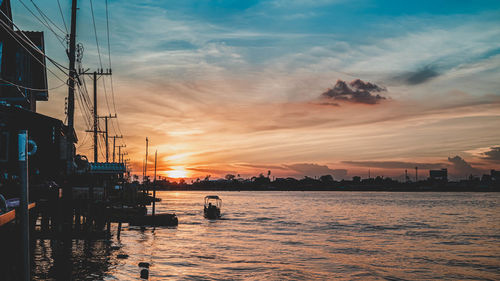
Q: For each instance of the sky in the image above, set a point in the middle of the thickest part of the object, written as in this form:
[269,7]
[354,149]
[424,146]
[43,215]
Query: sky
[297,87]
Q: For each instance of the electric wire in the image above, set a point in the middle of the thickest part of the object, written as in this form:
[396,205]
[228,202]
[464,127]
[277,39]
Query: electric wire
[43,15]
[109,56]
[32,89]
[95,32]
[29,42]
[58,36]
[111,76]
[13,35]
[62,16]
[99,53]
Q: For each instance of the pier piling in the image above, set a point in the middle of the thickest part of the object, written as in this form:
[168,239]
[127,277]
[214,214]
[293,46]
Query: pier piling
[23,204]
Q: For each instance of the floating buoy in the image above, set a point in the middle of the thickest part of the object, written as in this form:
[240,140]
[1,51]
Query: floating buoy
[144,264]
[145,274]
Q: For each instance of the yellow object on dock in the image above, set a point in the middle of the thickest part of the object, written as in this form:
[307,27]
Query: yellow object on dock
[11,215]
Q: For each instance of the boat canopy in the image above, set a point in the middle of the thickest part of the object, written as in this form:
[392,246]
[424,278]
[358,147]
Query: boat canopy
[214,199]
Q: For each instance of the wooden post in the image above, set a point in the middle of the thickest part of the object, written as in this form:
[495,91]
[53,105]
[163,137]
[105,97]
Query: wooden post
[23,205]
[119,230]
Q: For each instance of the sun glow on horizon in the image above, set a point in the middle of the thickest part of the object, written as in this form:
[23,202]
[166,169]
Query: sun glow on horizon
[177,173]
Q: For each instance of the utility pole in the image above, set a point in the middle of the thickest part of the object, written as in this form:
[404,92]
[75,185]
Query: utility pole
[120,152]
[106,135]
[95,74]
[416,174]
[125,161]
[114,145]
[123,154]
[71,90]
[95,131]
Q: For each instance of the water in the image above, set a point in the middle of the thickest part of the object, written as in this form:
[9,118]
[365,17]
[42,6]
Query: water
[298,236]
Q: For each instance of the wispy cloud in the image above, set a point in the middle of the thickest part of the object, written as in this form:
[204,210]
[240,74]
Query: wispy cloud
[238,82]
[395,164]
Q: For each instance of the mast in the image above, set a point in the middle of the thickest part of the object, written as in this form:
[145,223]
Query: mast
[154,185]
[96,120]
[146,161]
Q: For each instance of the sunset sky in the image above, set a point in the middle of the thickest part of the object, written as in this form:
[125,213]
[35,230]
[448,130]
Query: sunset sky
[244,87]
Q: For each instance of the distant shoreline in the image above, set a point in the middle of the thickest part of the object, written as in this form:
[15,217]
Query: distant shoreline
[354,189]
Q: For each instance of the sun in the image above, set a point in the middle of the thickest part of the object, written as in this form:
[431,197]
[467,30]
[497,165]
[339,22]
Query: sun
[177,172]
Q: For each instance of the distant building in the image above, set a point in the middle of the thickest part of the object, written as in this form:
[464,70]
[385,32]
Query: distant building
[495,175]
[439,175]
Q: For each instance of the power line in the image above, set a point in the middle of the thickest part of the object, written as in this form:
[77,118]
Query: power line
[99,53]
[13,34]
[62,16]
[32,89]
[100,63]
[95,33]
[29,42]
[109,56]
[46,24]
[43,15]
[111,77]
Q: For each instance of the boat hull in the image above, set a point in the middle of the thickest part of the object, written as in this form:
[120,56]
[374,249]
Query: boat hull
[212,214]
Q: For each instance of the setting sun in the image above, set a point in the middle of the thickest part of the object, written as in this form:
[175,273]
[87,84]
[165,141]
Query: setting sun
[178,172]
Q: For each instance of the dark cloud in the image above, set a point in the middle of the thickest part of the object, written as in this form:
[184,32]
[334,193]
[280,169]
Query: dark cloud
[315,170]
[265,167]
[212,171]
[493,154]
[420,76]
[461,168]
[357,91]
[395,164]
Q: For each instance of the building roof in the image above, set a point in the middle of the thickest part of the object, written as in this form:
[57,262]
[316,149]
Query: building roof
[23,115]
[107,168]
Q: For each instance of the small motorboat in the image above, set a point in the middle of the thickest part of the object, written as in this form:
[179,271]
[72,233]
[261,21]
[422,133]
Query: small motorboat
[212,207]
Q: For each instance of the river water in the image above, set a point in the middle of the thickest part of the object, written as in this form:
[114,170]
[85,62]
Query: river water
[297,236]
